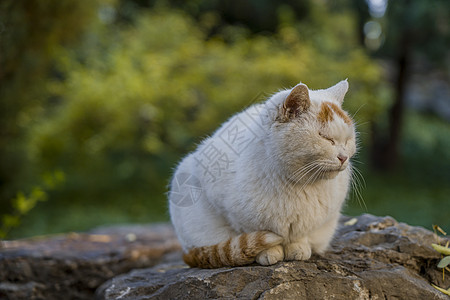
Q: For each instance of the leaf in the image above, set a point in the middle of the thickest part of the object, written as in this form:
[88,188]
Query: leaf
[351,222]
[22,203]
[444,262]
[38,194]
[441,289]
[441,249]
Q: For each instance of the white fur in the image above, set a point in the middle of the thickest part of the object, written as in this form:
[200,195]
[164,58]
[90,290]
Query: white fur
[257,188]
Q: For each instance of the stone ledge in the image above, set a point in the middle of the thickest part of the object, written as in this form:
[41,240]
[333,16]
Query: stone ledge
[72,266]
[375,258]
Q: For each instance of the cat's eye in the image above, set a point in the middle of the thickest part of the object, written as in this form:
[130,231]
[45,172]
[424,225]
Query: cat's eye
[327,138]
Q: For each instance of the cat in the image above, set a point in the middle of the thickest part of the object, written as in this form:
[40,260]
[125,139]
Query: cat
[269,184]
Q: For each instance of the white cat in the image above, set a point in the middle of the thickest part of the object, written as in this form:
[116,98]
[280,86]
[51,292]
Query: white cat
[269,184]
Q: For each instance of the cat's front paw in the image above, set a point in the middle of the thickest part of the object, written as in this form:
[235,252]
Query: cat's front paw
[270,256]
[297,251]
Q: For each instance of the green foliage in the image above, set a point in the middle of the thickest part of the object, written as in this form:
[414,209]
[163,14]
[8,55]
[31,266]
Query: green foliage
[116,109]
[114,96]
[22,204]
[157,88]
[421,25]
[31,35]
[447,292]
[135,98]
[445,261]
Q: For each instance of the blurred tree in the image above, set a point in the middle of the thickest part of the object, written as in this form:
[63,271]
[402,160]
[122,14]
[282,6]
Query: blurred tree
[255,15]
[415,30]
[137,96]
[124,92]
[31,34]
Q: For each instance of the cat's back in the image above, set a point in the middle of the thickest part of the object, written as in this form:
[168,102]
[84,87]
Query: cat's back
[218,156]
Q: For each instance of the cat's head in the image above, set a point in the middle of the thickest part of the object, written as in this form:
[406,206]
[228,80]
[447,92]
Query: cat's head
[311,135]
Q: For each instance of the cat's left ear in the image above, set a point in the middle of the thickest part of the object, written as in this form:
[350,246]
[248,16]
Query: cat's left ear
[297,102]
[339,90]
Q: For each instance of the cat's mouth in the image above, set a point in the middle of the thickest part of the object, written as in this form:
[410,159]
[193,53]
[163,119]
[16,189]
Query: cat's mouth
[318,173]
[332,172]
[336,168]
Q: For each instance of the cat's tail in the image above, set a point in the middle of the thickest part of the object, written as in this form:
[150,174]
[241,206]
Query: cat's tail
[237,251]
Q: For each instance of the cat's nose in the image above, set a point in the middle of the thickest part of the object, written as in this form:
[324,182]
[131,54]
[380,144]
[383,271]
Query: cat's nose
[342,158]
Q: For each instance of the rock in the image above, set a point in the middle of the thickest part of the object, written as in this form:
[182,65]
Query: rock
[72,266]
[374,258]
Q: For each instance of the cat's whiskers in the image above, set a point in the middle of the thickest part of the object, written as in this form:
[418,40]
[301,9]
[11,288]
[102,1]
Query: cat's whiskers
[356,112]
[358,173]
[313,178]
[294,190]
[317,168]
[357,182]
[357,161]
[303,169]
[299,174]
[292,181]
[324,163]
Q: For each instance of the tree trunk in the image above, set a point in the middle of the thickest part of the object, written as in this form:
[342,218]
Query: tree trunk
[385,150]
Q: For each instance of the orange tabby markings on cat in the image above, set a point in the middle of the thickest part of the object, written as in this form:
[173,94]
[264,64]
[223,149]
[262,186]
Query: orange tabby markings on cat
[248,245]
[327,111]
[269,184]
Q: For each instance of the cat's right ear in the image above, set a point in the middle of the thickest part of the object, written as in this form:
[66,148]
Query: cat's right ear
[297,102]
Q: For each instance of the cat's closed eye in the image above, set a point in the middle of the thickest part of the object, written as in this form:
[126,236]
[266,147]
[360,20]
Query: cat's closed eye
[327,138]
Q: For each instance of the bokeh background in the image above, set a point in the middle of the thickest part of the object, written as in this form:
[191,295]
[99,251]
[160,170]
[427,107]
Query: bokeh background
[100,99]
